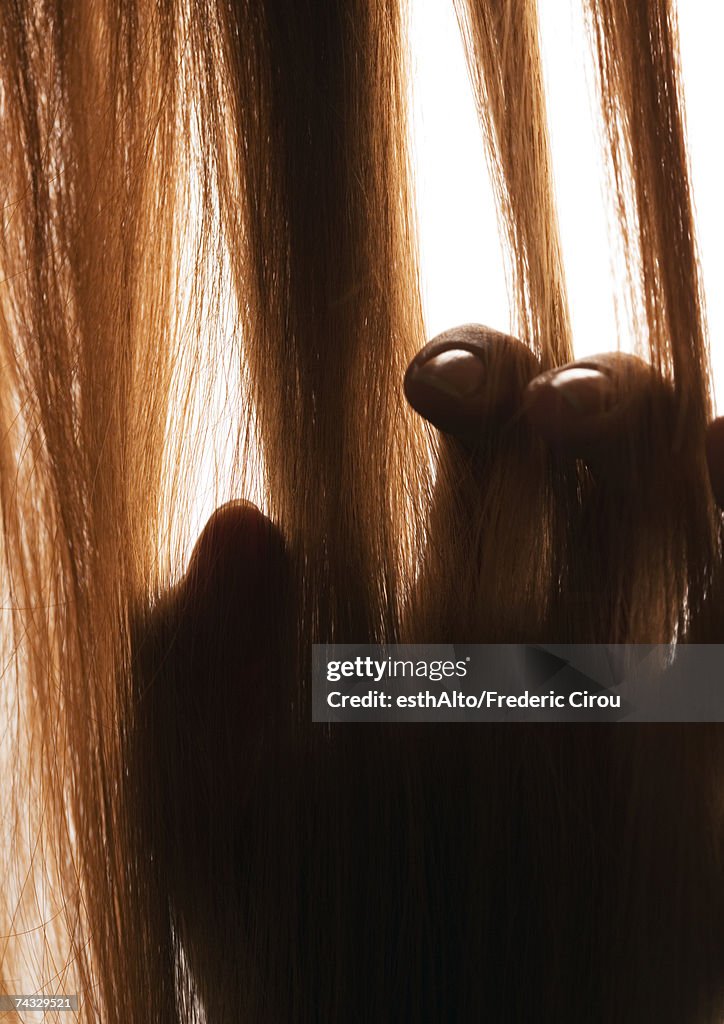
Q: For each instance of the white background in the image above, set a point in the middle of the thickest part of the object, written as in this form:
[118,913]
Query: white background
[462,266]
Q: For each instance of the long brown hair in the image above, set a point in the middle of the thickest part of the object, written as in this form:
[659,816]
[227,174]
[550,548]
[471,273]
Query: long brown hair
[193,190]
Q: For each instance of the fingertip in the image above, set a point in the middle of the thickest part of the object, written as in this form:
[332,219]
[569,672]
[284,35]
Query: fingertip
[447,389]
[235,546]
[568,407]
[468,377]
[585,407]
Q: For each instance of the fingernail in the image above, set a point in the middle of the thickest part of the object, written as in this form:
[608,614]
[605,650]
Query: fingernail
[448,388]
[567,401]
[457,373]
[587,391]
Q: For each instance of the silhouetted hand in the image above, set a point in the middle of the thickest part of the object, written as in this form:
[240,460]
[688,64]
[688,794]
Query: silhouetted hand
[607,409]
[613,411]
[625,472]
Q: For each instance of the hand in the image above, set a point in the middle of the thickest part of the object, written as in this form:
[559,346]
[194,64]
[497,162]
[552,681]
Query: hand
[593,448]
[472,380]
[480,388]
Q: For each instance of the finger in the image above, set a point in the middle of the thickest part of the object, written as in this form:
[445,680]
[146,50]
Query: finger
[468,378]
[232,595]
[636,505]
[224,667]
[715,458]
[211,699]
[468,383]
[235,555]
[229,605]
[588,407]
